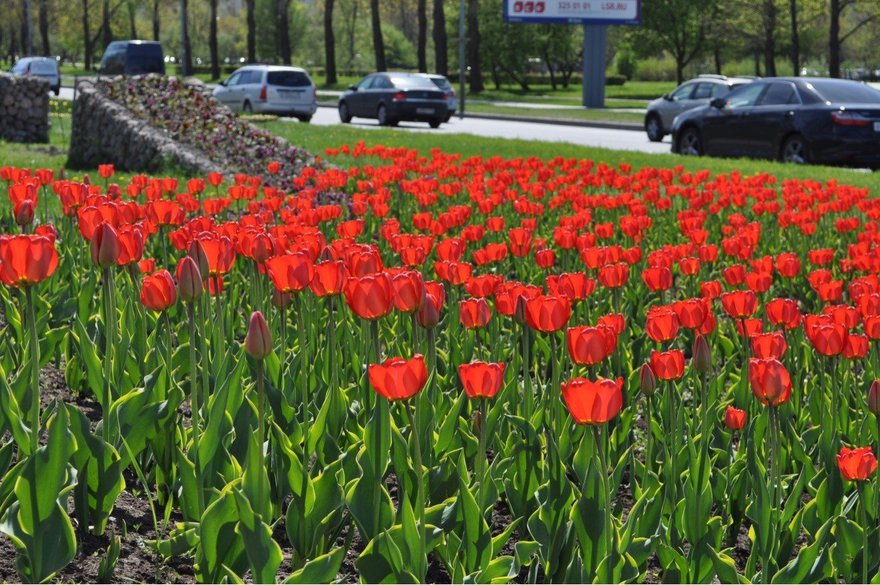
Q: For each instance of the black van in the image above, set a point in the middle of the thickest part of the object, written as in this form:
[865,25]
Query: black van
[133,58]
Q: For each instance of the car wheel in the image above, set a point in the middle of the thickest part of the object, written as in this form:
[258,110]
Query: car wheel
[304,119]
[689,142]
[344,114]
[794,150]
[57,91]
[654,128]
[246,107]
[384,119]
[447,118]
[435,123]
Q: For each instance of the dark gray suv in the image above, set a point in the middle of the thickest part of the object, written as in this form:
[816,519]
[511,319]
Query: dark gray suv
[690,94]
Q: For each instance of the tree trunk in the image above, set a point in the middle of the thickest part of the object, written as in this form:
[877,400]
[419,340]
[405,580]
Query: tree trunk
[27,28]
[156,20]
[44,27]
[378,42]
[87,36]
[329,44]
[106,31]
[834,39]
[132,20]
[186,50]
[284,30]
[251,32]
[422,41]
[757,59]
[769,18]
[718,60]
[441,58]
[679,70]
[212,42]
[795,39]
[473,46]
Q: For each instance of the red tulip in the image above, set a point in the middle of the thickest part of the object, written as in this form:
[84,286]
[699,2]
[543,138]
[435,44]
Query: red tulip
[783,312]
[647,380]
[26,260]
[576,286]
[105,246]
[547,313]
[829,339]
[481,379]
[614,275]
[429,313]
[291,272]
[691,313]
[158,291]
[856,464]
[768,345]
[734,418]
[474,313]
[770,381]
[258,341]
[662,324]
[588,346]
[739,304]
[189,280]
[668,365]
[409,290]
[856,347]
[593,402]
[24,212]
[398,378]
[369,297]
[658,278]
[329,278]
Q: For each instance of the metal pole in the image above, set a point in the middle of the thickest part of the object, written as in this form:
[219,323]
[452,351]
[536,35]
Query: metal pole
[461,64]
[595,42]
[181,67]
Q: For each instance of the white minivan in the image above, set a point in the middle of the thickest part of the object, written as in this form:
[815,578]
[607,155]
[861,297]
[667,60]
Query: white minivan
[45,67]
[270,89]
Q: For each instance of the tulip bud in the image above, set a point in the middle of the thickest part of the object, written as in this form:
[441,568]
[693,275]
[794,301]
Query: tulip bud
[702,355]
[258,342]
[519,314]
[197,253]
[326,255]
[874,397]
[428,314]
[281,299]
[189,280]
[24,212]
[647,380]
[105,246]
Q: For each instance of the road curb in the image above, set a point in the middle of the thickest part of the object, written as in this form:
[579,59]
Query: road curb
[536,120]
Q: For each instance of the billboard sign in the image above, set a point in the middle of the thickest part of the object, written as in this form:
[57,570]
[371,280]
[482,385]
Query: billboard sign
[626,12]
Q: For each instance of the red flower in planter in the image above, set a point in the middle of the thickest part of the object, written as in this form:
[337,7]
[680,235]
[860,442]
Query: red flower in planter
[856,464]
[593,402]
[158,291]
[26,260]
[481,379]
[398,378]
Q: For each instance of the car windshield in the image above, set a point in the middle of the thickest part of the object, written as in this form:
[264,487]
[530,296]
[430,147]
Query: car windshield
[412,82]
[837,91]
[43,67]
[441,82]
[289,78]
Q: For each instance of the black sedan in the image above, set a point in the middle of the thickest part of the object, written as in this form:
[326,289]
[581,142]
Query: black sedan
[796,119]
[394,97]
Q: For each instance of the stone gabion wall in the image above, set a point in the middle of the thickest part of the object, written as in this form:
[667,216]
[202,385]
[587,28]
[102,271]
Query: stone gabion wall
[24,109]
[104,132]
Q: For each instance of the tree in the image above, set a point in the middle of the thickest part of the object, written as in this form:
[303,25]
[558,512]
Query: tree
[212,42]
[795,38]
[283,7]
[44,27]
[329,43]
[87,36]
[768,20]
[473,46]
[185,48]
[678,27]
[132,20]
[441,57]
[106,30]
[156,23]
[378,42]
[422,41]
[835,38]
[27,28]
[251,32]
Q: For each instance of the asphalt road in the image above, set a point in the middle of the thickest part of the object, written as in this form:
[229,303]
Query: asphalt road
[581,135]
[584,136]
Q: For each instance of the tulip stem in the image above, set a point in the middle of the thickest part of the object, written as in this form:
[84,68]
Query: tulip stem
[261,440]
[649,442]
[35,370]
[482,462]
[774,491]
[109,341]
[527,382]
[331,359]
[863,512]
[599,452]
[304,376]
[194,406]
[420,497]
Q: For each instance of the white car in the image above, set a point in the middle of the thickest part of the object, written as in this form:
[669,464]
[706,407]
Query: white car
[45,67]
[270,89]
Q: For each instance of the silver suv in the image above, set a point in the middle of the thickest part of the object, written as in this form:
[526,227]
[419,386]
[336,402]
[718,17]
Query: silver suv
[270,89]
[45,67]
[690,94]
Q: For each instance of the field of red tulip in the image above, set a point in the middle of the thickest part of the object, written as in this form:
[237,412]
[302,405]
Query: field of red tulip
[430,368]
